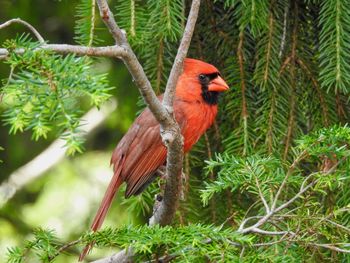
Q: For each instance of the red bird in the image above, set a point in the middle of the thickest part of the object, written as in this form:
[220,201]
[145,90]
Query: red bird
[141,152]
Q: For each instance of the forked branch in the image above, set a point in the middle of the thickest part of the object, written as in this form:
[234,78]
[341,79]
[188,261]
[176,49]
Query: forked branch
[163,112]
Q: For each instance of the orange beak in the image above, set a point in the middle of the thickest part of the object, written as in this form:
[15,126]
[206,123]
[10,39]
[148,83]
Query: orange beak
[218,84]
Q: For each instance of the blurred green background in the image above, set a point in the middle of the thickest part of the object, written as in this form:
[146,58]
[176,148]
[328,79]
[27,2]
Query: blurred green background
[66,197]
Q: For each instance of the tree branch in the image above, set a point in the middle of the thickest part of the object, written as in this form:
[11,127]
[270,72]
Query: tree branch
[165,212]
[170,131]
[133,65]
[176,70]
[108,18]
[107,51]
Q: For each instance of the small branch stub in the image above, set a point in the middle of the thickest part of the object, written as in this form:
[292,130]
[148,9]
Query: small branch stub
[167,137]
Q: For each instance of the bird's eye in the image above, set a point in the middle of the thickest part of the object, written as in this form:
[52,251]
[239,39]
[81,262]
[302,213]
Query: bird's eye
[202,77]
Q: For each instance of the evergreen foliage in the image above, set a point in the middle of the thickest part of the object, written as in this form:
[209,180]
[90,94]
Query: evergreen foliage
[46,90]
[44,245]
[279,148]
[86,26]
[146,29]
[254,179]
[335,45]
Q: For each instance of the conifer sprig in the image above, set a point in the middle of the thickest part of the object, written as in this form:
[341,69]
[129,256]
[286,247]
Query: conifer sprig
[44,91]
[335,45]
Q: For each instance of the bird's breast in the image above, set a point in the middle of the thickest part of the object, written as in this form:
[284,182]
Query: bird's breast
[198,117]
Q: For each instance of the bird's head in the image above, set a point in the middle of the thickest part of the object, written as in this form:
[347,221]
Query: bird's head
[200,81]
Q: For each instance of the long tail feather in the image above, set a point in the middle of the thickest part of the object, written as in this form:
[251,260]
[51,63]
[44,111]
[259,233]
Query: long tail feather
[105,205]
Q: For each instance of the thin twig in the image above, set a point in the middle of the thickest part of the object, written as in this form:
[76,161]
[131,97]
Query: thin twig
[284,65]
[65,247]
[289,172]
[284,34]
[271,233]
[338,225]
[321,219]
[267,208]
[241,227]
[332,247]
[29,26]
[273,211]
[282,239]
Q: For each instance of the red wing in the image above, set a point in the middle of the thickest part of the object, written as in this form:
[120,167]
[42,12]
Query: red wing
[140,152]
[142,172]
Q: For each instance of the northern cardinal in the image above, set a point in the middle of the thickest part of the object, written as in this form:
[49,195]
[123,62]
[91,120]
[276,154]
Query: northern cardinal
[141,152]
